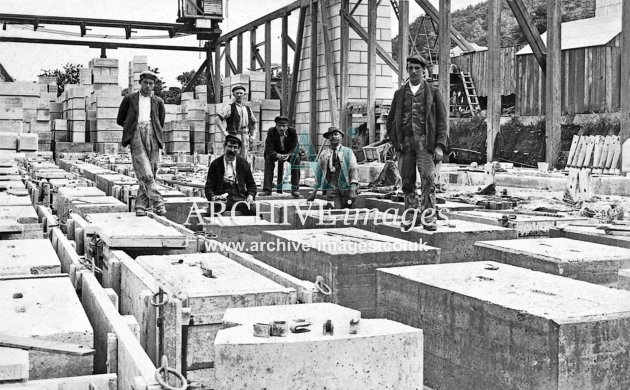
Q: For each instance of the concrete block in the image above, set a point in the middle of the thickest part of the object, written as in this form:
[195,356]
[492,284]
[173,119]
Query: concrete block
[284,211]
[28,143]
[590,234]
[63,194]
[496,326]
[83,205]
[48,310]
[178,210]
[594,263]
[346,258]
[7,199]
[245,231]
[384,354]
[28,257]
[526,225]
[8,141]
[14,365]
[14,216]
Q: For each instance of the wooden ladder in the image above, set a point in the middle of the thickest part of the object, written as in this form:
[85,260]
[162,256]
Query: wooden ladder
[471,93]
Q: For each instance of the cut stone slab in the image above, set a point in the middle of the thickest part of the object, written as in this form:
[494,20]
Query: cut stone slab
[106,181]
[48,310]
[346,258]
[7,199]
[125,230]
[325,219]
[28,257]
[47,174]
[496,326]
[8,184]
[526,225]
[594,263]
[83,205]
[12,217]
[384,204]
[13,365]
[179,208]
[230,285]
[456,240]
[384,355]
[284,210]
[240,229]
[63,195]
[89,171]
[590,234]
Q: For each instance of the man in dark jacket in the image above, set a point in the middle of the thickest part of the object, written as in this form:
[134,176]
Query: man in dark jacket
[230,179]
[416,127]
[141,114]
[281,145]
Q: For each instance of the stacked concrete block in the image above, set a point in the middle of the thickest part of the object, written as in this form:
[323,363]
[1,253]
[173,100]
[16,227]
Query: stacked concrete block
[85,76]
[357,66]
[256,86]
[104,72]
[29,143]
[11,113]
[201,92]
[215,133]
[177,137]
[103,113]
[194,112]
[138,65]
[74,112]
[269,110]
[55,109]
[171,112]
[59,129]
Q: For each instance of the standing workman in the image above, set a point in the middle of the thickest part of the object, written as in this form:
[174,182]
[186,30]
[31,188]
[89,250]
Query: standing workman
[281,146]
[240,120]
[141,114]
[416,127]
[336,172]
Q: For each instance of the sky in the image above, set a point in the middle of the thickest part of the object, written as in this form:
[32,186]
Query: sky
[25,61]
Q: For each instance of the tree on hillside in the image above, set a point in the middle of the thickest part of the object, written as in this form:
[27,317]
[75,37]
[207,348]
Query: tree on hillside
[184,79]
[68,74]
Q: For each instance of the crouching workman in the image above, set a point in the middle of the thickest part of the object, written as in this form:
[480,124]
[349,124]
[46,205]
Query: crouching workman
[230,182]
[281,145]
[141,114]
[336,172]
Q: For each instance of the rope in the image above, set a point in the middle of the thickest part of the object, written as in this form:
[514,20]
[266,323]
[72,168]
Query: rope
[321,286]
[165,369]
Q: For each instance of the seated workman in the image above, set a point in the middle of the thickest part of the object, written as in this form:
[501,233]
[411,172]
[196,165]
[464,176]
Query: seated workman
[230,181]
[281,146]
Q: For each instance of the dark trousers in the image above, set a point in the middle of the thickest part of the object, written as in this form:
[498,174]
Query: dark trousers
[270,164]
[233,198]
[415,155]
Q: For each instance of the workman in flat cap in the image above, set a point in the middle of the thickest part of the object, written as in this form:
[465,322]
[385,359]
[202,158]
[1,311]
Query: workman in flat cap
[230,180]
[141,114]
[282,145]
[240,120]
[336,172]
[416,127]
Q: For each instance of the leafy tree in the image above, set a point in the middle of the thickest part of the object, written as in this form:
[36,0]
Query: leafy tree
[68,74]
[172,96]
[185,78]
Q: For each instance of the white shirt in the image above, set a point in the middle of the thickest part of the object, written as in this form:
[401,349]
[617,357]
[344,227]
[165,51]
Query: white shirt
[242,112]
[230,170]
[414,88]
[144,109]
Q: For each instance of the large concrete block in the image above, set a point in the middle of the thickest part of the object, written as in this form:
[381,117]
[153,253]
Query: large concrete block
[526,225]
[83,205]
[48,309]
[178,210]
[346,258]
[496,326]
[28,257]
[383,354]
[106,181]
[284,211]
[7,199]
[590,234]
[208,284]
[244,231]
[594,263]
[64,193]
[8,141]
[14,365]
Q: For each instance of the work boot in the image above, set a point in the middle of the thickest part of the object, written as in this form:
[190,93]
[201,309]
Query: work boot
[266,193]
[430,227]
[295,194]
[141,213]
[279,190]
[160,210]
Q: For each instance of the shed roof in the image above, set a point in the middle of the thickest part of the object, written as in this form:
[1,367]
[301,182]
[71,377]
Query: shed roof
[590,32]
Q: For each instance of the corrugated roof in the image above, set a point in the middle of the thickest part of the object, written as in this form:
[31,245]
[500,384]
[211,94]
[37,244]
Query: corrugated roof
[597,31]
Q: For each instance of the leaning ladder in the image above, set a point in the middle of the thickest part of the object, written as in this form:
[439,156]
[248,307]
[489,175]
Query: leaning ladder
[470,92]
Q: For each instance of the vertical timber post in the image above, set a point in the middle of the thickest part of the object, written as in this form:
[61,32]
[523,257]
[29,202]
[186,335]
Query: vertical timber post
[445,54]
[624,133]
[552,84]
[494,76]
[403,41]
[371,108]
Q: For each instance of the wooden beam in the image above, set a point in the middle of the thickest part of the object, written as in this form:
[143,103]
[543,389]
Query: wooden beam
[455,35]
[239,53]
[371,65]
[519,9]
[553,83]
[344,76]
[210,78]
[331,78]
[217,74]
[313,125]
[444,43]
[93,382]
[226,53]
[287,38]
[30,344]
[264,19]
[252,50]
[624,134]
[101,45]
[268,60]
[198,73]
[297,56]
[259,60]
[356,26]
[403,40]
[494,76]
[284,96]
[230,63]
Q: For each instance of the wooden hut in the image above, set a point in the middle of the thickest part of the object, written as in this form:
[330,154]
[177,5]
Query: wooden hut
[591,68]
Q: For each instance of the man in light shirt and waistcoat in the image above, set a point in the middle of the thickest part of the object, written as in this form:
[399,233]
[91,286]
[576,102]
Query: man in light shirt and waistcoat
[240,120]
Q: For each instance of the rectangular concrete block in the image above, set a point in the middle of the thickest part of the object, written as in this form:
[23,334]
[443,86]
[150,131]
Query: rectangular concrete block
[346,258]
[590,234]
[384,354]
[495,326]
[28,257]
[14,365]
[244,231]
[125,230]
[27,143]
[83,205]
[8,141]
[48,309]
[284,211]
[594,263]
[178,210]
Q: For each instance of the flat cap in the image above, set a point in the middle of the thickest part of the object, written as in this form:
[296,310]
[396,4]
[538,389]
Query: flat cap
[233,138]
[148,74]
[281,120]
[237,87]
[417,59]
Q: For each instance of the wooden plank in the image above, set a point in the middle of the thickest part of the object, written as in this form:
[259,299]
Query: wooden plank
[331,79]
[284,109]
[403,38]
[371,76]
[239,53]
[609,80]
[578,150]
[611,153]
[297,56]
[589,152]
[444,44]
[344,76]
[584,151]
[616,78]
[217,75]
[173,333]
[588,80]
[227,72]
[574,144]
[603,156]
[313,75]
[597,151]
[614,165]
[268,89]
[253,49]
[552,85]
[494,74]
[529,30]
[86,382]
[624,134]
